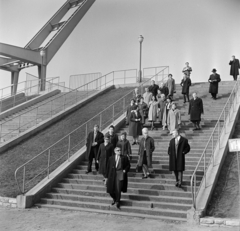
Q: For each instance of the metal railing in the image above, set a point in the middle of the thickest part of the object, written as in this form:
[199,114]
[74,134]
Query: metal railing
[26,91]
[41,165]
[47,109]
[213,143]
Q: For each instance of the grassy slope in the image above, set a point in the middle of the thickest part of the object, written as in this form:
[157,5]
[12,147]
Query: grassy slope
[29,148]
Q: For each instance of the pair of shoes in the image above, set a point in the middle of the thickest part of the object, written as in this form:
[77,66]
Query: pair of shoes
[118,205]
[113,202]
[144,177]
[88,171]
[152,128]
[184,102]
[134,143]
[195,129]
[177,184]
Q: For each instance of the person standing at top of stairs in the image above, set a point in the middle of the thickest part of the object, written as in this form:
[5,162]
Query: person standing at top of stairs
[185,83]
[94,139]
[178,148]
[234,63]
[170,84]
[187,70]
[214,79]
[195,110]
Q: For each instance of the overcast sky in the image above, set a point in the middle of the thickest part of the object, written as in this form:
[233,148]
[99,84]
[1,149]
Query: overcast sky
[205,33]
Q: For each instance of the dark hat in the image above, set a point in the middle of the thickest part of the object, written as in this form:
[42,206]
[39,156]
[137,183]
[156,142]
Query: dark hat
[124,133]
[107,136]
[111,126]
[214,70]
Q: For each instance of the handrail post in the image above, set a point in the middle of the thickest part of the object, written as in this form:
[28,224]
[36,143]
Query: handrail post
[100,122]
[49,155]
[113,113]
[195,183]
[212,151]
[19,124]
[219,133]
[69,144]
[224,118]
[205,168]
[24,173]
[124,101]
[86,131]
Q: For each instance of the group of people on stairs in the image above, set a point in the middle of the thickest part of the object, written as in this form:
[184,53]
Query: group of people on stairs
[113,155]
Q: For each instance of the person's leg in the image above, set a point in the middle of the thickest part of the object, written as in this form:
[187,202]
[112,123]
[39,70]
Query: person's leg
[176,176]
[187,96]
[198,125]
[113,195]
[184,98]
[90,159]
[95,150]
[144,168]
[134,140]
[181,178]
[118,188]
[137,140]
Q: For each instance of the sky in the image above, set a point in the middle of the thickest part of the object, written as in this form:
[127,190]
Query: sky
[203,32]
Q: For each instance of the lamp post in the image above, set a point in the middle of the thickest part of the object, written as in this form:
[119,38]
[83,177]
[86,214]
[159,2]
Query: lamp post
[140,39]
[42,71]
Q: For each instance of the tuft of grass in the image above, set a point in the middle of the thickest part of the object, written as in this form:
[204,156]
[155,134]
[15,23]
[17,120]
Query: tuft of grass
[27,149]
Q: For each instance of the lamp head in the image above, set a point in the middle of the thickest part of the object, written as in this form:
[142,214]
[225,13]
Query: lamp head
[140,38]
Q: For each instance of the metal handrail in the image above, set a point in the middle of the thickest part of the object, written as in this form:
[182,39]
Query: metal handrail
[56,98]
[211,139]
[68,136]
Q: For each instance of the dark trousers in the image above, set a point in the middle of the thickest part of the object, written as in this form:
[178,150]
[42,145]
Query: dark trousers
[177,173]
[235,77]
[92,155]
[184,97]
[214,95]
[196,123]
[116,196]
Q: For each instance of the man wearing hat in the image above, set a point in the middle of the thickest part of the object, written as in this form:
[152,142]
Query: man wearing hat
[214,79]
[235,65]
[94,139]
[116,178]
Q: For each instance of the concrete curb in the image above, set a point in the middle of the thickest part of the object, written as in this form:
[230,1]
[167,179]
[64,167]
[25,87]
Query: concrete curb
[8,202]
[219,222]
[26,134]
[28,103]
[36,193]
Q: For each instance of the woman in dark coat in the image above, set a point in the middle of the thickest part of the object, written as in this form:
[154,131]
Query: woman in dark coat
[195,110]
[135,125]
[214,79]
[113,137]
[125,146]
[129,110]
[143,110]
[235,66]
[104,152]
[186,83]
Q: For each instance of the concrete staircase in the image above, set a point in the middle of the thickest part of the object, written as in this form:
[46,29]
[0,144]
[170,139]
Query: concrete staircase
[155,197]
[28,117]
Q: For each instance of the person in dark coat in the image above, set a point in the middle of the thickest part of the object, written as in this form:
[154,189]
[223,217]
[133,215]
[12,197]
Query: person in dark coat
[113,137]
[195,110]
[143,110]
[153,88]
[185,83]
[163,89]
[170,84]
[116,178]
[104,152]
[129,110]
[234,67]
[135,125]
[214,79]
[178,148]
[146,148]
[125,146]
[94,139]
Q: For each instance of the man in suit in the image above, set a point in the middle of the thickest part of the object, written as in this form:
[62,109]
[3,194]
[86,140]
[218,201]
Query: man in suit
[170,84]
[178,148]
[113,137]
[153,88]
[234,67]
[195,110]
[214,79]
[116,178]
[94,139]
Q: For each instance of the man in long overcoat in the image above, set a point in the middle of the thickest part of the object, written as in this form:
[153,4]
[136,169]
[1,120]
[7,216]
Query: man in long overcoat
[185,83]
[170,84]
[94,139]
[178,148]
[104,152]
[146,148]
[234,67]
[116,178]
[113,137]
[195,110]
[214,79]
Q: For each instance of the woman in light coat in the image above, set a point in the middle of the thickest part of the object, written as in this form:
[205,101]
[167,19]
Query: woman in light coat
[173,119]
[153,110]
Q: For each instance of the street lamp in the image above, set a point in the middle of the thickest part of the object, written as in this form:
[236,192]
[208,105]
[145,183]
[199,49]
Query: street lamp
[140,39]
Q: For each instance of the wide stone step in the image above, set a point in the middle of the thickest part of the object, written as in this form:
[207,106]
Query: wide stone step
[100,206]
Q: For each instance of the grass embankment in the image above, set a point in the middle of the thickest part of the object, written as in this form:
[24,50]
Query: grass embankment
[18,155]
